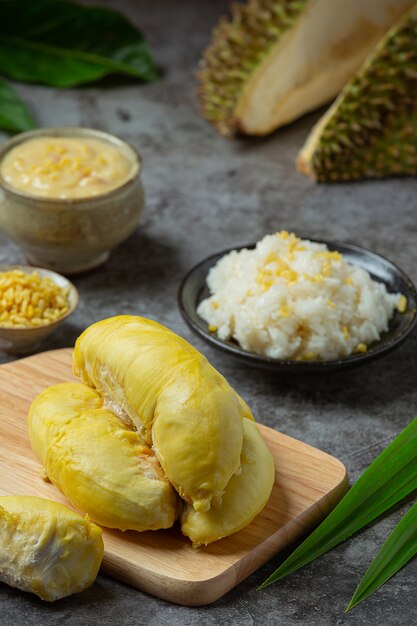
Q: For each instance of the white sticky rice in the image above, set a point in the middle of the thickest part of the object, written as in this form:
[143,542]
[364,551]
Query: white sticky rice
[294,299]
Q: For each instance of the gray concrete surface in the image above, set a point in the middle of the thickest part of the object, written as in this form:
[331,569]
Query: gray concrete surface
[205,194]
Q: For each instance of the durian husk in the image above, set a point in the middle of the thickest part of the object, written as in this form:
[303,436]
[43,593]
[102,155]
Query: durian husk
[240,43]
[371,129]
[46,548]
[272,61]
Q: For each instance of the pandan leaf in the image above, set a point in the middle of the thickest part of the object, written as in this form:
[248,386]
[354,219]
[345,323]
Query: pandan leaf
[391,477]
[14,116]
[63,44]
[398,549]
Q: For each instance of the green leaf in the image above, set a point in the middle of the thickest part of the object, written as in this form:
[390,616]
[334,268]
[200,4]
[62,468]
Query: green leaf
[391,477]
[14,116]
[398,549]
[63,44]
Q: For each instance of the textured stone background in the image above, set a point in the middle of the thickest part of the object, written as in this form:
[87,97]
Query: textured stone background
[205,194]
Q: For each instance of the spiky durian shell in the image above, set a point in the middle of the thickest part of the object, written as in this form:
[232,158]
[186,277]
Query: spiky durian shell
[239,44]
[371,129]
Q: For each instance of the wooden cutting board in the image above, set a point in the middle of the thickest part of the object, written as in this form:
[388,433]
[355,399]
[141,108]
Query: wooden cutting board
[163,563]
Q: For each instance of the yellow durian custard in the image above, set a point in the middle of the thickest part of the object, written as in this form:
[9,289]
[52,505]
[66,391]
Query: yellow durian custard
[66,167]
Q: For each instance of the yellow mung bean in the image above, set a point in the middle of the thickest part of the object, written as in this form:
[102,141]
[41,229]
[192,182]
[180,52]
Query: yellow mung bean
[28,300]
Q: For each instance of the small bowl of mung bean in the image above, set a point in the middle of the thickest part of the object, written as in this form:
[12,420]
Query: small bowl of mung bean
[33,303]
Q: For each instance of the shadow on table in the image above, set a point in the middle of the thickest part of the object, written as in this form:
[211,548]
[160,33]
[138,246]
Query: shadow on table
[377,383]
[141,260]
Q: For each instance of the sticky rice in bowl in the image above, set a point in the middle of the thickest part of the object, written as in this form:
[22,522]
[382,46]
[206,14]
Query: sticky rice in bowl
[295,299]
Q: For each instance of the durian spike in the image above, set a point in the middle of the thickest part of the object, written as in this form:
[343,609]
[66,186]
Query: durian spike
[271,61]
[371,129]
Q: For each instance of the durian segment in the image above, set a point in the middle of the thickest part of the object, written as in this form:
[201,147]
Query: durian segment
[99,463]
[175,398]
[245,495]
[46,548]
[371,129]
[274,60]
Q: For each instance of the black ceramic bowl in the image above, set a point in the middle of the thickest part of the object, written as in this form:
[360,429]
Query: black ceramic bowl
[194,289]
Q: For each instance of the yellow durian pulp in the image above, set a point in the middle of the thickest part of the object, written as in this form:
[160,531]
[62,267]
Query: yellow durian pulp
[245,495]
[46,548]
[99,463]
[178,402]
[151,418]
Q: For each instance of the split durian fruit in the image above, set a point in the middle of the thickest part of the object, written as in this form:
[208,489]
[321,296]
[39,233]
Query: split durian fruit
[46,548]
[99,463]
[274,60]
[178,402]
[153,430]
[371,129]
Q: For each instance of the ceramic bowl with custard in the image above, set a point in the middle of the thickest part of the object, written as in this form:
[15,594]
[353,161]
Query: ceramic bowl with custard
[69,196]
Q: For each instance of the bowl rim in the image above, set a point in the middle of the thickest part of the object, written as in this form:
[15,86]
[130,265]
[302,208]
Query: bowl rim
[33,268]
[70,131]
[252,358]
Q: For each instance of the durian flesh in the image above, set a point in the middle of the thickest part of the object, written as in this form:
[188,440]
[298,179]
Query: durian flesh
[275,60]
[371,129]
[46,548]
[99,463]
[155,379]
[245,495]
[177,400]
